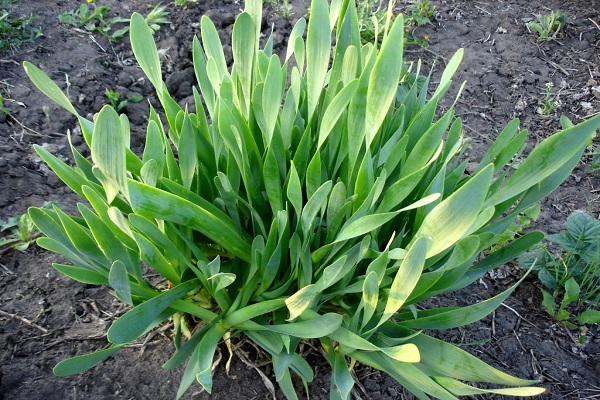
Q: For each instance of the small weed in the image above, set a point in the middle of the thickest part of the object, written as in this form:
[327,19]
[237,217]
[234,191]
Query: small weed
[95,20]
[371,19]
[185,3]
[117,101]
[157,16]
[22,231]
[282,7]
[420,12]
[550,103]
[3,109]
[14,31]
[548,26]
[516,229]
[595,164]
[571,275]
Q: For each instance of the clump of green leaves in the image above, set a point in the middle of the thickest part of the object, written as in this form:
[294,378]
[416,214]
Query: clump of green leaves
[571,274]
[325,200]
[118,101]
[420,12]
[548,26]
[517,228]
[14,31]
[95,19]
[282,7]
[595,162]
[185,3]
[21,231]
[157,17]
[371,18]
[550,103]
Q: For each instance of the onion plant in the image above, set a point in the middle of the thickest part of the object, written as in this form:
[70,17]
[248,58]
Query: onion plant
[322,195]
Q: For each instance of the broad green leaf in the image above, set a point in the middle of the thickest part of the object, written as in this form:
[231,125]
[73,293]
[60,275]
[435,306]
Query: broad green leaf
[318,49]
[313,328]
[136,321]
[272,181]
[108,150]
[243,46]
[461,389]
[119,281]
[406,277]
[383,80]
[75,365]
[155,203]
[370,297]
[368,223]
[335,110]
[313,206]
[271,97]
[48,87]
[150,254]
[341,378]
[301,300]
[188,158]
[452,318]
[545,159]
[81,274]
[294,190]
[450,220]
[213,47]
[144,49]
[206,350]
[588,317]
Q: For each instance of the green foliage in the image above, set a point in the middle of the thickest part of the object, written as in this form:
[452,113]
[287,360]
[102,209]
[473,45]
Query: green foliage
[420,12]
[156,17]
[185,3]
[371,19]
[21,231]
[572,273]
[326,202]
[595,163]
[516,229]
[282,7]
[117,101]
[3,109]
[548,26]
[550,104]
[96,20]
[14,31]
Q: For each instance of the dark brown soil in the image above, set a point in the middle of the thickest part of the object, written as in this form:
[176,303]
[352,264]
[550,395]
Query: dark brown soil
[45,317]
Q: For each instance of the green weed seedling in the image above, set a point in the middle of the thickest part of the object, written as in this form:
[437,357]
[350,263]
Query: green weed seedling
[324,198]
[22,231]
[571,274]
[15,31]
[282,7]
[371,19]
[117,101]
[548,26]
[420,12]
[95,19]
[185,3]
[3,109]
[550,103]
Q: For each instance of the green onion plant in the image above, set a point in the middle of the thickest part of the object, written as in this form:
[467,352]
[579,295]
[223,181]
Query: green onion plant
[322,199]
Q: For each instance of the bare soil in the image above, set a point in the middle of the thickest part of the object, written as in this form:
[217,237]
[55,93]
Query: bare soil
[45,317]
